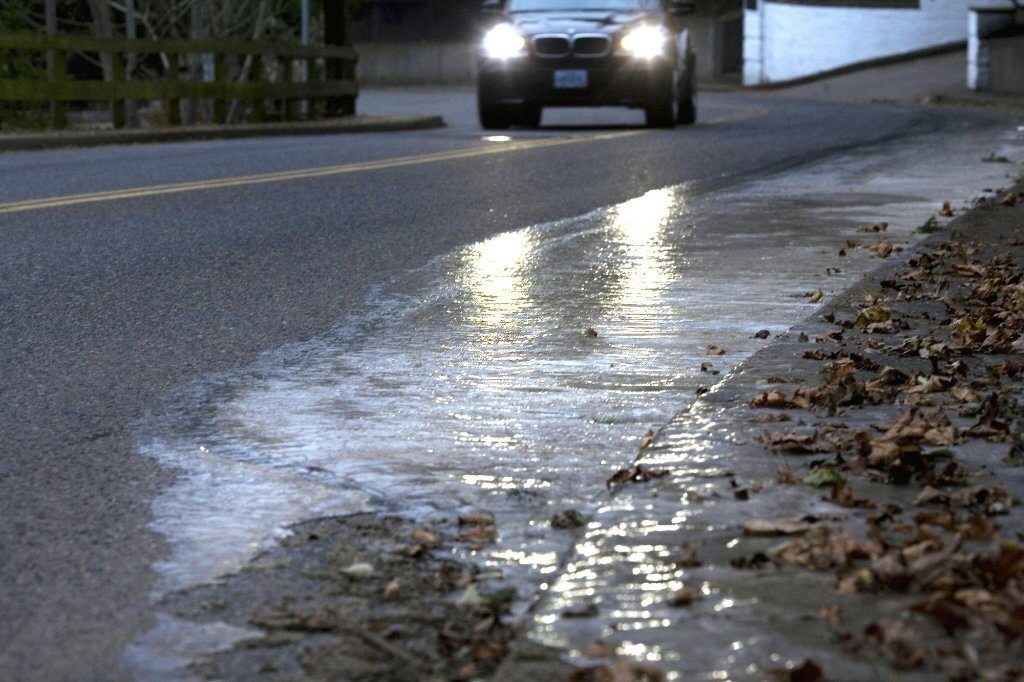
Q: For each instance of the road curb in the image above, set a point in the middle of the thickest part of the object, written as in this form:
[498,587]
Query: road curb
[98,138]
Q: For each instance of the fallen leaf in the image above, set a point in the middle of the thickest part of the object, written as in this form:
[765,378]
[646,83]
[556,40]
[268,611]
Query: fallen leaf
[883,249]
[774,527]
[359,570]
[476,518]
[877,227]
[681,597]
[774,399]
[422,536]
[787,477]
[637,474]
[477,529]
[936,383]
[897,641]
[823,477]
[989,425]
[568,519]
[964,394]
[791,443]
[833,615]
[872,314]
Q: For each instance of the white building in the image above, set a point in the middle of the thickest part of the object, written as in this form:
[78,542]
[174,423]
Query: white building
[785,40]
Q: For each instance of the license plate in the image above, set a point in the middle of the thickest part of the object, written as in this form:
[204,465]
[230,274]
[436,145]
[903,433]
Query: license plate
[571,78]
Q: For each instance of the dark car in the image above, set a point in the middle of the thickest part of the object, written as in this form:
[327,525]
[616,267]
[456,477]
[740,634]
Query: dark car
[563,53]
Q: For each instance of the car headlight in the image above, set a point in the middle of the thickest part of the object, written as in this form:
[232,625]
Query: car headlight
[645,42]
[502,42]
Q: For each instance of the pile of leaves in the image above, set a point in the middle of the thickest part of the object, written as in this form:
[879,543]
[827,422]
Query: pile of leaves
[958,572]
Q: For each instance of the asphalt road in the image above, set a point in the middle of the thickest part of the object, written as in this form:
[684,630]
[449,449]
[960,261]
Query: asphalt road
[109,302]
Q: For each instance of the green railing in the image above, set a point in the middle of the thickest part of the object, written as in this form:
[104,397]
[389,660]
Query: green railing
[272,74]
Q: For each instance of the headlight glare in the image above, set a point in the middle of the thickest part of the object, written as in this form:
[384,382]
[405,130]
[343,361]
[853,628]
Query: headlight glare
[645,42]
[502,42]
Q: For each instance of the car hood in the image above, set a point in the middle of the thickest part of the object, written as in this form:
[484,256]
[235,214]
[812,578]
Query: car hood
[610,23]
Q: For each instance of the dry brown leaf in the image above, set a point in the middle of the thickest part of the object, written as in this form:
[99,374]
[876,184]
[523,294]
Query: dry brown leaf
[636,474]
[422,536]
[964,394]
[883,249]
[477,529]
[871,315]
[773,399]
[936,383]
[791,443]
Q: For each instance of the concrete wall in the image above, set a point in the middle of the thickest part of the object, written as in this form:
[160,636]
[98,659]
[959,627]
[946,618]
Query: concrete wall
[995,50]
[416,63]
[785,41]
[1007,67]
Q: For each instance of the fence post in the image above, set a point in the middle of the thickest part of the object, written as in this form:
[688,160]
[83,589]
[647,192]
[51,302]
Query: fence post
[312,103]
[256,76]
[220,77]
[58,74]
[117,105]
[287,64]
[173,104]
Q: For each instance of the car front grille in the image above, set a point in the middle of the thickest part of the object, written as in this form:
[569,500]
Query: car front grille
[555,46]
[551,46]
[591,46]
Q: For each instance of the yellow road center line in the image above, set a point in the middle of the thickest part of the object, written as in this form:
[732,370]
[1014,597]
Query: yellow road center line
[263,178]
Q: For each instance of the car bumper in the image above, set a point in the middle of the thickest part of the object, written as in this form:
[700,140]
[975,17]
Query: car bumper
[612,82]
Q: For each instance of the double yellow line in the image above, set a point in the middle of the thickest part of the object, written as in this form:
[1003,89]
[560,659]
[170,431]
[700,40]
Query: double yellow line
[263,178]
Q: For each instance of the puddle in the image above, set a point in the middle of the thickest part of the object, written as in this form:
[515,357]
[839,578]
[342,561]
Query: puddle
[470,383]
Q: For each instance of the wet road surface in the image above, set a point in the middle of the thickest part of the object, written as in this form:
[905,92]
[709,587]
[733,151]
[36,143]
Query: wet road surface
[471,383]
[323,337]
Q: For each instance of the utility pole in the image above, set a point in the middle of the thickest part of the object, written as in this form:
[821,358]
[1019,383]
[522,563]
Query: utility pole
[304,72]
[58,118]
[130,58]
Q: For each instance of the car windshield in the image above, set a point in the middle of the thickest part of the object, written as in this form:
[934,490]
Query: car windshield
[581,5]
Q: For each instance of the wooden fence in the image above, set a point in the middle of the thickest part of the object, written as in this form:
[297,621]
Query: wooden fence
[273,72]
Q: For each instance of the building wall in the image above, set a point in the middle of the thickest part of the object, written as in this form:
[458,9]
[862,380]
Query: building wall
[790,39]
[421,63]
